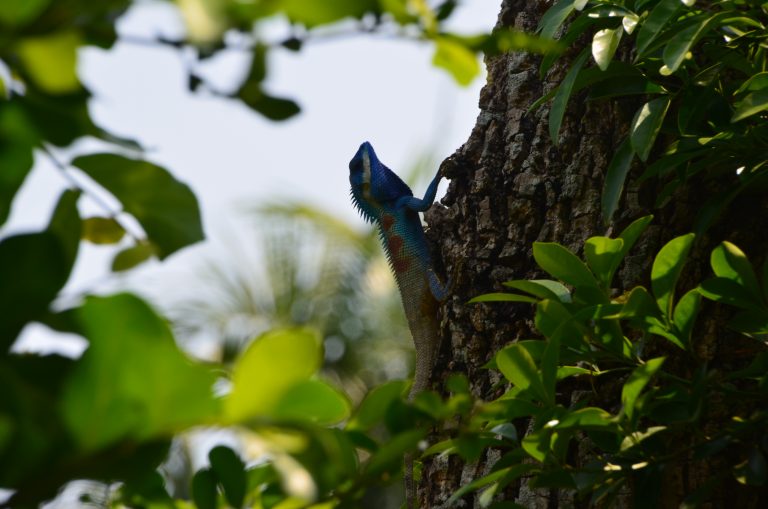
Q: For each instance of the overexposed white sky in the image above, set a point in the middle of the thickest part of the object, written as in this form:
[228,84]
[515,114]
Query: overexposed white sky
[351,89]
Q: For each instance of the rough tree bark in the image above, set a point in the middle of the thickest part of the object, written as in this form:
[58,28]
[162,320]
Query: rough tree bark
[511,186]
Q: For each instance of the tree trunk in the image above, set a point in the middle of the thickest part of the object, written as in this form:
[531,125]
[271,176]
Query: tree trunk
[511,186]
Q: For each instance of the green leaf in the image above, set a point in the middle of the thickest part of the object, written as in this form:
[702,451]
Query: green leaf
[587,418]
[636,383]
[133,382]
[554,18]
[312,401]
[508,474]
[166,208]
[750,105]
[312,13]
[629,235]
[560,102]
[601,253]
[273,364]
[102,230]
[375,404]
[562,264]
[604,44]
[502,297]
[132,256]
[730,262]
[646,126]
[536,444]
[204,491]
[35,266]
[51,61]
[651,27]
[686,311]
[725,290]
[752,471]
[542,288]
[390,455]
[457,59]
[20,13]
[666,270]
[678,47]
[517,366]
[273,108]
[229,469]
[15,161]
[615,177]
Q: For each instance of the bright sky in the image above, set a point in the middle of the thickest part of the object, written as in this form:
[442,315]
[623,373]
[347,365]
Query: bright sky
[351,89]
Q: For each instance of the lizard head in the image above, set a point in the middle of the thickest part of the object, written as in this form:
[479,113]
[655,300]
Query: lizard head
[373,185]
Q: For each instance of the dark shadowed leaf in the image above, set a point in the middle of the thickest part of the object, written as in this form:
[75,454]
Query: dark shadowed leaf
[542,288]
[651,28]
[554,18]
[751,104]
[229,469]
[563,94]
[686,311]
[15,161]
[166,208]
[517,366]
[614,179]
[375,404]
[502,297]
[204,492]
[20,13]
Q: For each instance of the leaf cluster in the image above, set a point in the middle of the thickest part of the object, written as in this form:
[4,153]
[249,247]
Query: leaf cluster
[592,334]
[699,68]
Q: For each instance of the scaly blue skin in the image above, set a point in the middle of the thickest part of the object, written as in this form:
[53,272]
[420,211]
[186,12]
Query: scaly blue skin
[384,199]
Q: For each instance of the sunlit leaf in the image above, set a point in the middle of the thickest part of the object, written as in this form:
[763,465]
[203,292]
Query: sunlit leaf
[102,230]
[601,253]
[502,297]
[456,59]
[166,208]
[666,270]
[272,365]
[132,256]
[311,401]
[635,384]
[563,94]
[51,61]
[615,177]
[133,382]
[517,366]
[686,311]
[604,45]
[587,418]
[646,126]
[542,288]
[730,262]
[562,264]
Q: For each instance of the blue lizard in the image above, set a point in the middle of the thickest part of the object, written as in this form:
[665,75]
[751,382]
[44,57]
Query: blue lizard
[384,199]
